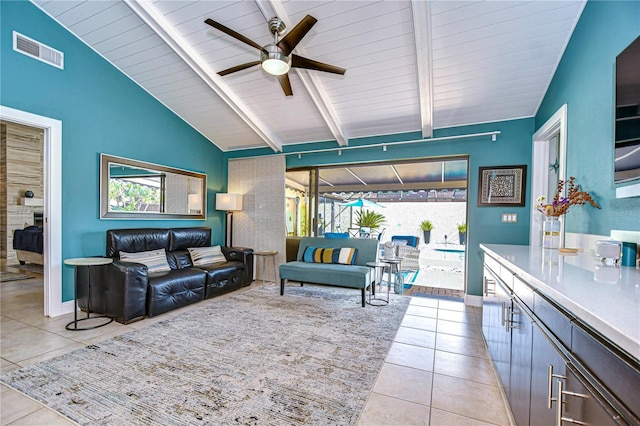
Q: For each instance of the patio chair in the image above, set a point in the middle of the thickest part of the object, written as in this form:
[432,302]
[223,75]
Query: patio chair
[407,249]
[336,235]
[410,240]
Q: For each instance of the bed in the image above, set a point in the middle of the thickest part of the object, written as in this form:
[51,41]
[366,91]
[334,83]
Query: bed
[28,244]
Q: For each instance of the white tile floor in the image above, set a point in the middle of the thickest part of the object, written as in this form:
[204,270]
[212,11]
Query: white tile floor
[437,371]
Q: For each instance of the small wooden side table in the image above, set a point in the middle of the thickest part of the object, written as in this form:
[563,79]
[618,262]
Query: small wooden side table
[264,255]
[90,263]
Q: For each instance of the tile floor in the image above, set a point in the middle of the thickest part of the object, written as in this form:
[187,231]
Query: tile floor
[437,371]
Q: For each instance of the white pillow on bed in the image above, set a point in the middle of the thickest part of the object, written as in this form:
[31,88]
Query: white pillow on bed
[155,260]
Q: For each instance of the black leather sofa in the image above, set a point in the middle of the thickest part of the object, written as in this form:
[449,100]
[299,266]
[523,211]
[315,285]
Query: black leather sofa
[128,292]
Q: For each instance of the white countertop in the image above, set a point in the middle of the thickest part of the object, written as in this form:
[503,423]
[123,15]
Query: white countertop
[606,298]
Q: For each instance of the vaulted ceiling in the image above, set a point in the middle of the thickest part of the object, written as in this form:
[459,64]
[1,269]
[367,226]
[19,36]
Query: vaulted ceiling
[411,65]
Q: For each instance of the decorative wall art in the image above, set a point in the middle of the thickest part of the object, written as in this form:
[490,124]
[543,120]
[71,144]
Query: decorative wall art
[502,186]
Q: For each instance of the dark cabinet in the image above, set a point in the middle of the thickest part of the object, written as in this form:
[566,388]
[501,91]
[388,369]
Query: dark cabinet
[547,367]
[581,404]
[496,301]
[553,370]
[508,333]
[521,328]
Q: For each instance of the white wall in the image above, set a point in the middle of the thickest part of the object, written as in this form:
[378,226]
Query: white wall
[261,223]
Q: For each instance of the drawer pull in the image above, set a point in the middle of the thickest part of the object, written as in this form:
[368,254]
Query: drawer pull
[559,417]
[550,377]
[487,282]
[510,322]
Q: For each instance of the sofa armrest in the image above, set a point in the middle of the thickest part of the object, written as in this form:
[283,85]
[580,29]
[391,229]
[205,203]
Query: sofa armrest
[120,291]
[244,255]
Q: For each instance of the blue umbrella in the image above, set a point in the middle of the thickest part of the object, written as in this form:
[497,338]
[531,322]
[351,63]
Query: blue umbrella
[361,202]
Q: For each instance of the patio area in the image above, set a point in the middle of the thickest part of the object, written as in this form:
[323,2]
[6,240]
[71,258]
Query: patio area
[441,271]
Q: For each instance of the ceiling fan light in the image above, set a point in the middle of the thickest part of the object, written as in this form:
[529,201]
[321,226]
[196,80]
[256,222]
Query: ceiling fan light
[273,61]
[275,66]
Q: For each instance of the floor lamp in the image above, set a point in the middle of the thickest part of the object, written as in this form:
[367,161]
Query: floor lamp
[229,203]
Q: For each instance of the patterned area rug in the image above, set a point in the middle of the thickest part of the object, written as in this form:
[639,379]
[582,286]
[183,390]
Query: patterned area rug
[6,276]
[308,357]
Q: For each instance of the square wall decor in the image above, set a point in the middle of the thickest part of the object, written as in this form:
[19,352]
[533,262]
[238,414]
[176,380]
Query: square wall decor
[502,186]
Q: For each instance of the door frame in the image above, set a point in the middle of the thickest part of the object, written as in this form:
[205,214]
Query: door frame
[52,158]
[555,125]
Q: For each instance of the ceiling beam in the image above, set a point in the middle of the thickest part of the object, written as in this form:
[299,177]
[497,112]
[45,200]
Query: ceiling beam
[150,15]
[310,81]
[421,12]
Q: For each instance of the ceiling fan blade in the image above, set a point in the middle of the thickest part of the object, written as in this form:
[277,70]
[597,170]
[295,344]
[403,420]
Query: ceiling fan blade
[232,33]
[286,84]
[310,64]
[238,68]
[293,37]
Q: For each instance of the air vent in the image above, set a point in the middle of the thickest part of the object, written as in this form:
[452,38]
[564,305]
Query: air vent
[37,50]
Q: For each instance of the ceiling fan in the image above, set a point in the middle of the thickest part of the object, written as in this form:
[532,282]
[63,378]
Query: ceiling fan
[276,58]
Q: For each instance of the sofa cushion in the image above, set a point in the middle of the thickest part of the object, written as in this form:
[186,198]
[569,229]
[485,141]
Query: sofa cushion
[341,255]
[206,255]
[155,260]
[136,240]
[353,276]
[183,238]
[175,289]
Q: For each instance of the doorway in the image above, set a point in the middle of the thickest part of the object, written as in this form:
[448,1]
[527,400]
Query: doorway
[52,218]
[347,199]
[549,147]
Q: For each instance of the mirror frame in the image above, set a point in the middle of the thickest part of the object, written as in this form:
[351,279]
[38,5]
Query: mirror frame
[106,159]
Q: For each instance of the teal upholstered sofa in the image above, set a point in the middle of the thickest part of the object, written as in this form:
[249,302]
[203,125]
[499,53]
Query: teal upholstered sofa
[356,275]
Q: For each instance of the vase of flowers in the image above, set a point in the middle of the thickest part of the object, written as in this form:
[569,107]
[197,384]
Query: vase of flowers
[551,232]
[558,207]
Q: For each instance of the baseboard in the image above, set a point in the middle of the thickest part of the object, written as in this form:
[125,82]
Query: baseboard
[66,308]
[472,300]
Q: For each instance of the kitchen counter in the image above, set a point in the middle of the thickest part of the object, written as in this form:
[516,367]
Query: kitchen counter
[605,298]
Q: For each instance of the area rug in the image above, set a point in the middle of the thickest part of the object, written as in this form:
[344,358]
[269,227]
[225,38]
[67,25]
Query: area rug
[255,357]
[6,276]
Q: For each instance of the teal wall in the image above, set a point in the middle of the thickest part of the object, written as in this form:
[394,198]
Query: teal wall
[585,81]
[512,147]
[102,111]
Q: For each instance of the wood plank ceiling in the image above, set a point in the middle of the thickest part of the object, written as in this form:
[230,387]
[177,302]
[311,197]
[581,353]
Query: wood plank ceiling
[411,65]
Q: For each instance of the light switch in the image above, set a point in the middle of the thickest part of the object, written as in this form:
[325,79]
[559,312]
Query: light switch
[509,217]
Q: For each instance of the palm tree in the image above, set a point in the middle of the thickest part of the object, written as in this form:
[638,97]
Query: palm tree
[369,219]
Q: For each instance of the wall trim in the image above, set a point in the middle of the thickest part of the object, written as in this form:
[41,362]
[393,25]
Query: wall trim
[53,305]
[471,300]
[556,125]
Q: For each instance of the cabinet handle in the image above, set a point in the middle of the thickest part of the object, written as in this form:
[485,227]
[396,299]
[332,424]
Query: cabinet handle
[550,377]
[488,281]
[559,417]
[509,321]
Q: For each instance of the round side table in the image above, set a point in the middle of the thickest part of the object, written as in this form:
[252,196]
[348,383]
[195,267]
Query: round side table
[264,255]
[90,263]
[375,268]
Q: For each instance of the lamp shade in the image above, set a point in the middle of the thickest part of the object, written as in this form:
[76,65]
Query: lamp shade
[228,202]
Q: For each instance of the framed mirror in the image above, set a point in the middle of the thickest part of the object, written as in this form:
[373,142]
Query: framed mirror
[131,189]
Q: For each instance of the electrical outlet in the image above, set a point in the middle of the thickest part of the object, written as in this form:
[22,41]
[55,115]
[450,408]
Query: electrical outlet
[509,217]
